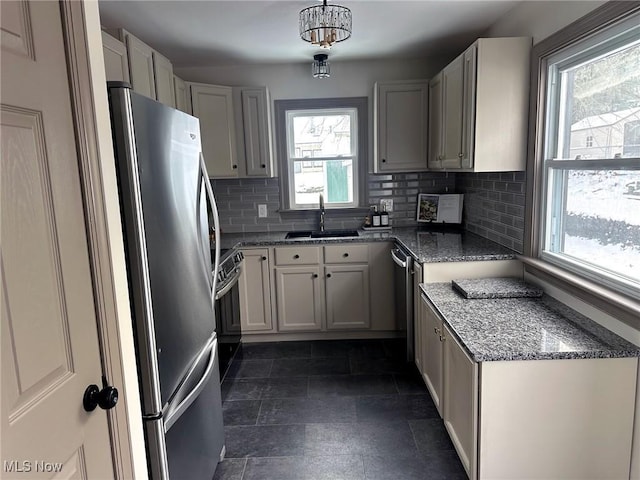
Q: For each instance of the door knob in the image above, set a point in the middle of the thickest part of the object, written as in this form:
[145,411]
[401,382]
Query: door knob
[106,399]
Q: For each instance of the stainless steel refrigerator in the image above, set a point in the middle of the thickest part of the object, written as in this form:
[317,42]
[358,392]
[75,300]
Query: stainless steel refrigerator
[166,201]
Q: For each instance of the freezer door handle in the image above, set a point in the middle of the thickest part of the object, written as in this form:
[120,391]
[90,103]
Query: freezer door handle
[174,414]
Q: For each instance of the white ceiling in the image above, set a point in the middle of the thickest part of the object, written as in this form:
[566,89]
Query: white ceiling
[210,33]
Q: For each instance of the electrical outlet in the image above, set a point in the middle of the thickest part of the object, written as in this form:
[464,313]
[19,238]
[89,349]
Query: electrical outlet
[262,210]
[388,202]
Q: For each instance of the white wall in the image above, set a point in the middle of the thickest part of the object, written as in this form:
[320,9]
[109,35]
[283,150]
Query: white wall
[540,19]
[293,81]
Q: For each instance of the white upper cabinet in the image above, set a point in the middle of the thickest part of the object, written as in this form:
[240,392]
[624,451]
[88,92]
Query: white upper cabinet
[213,105]
[256,120]
[182,95]
[149,72]
[140,65]
[116,62]
[163,77]
[401,126]
[479,108]
[435,121]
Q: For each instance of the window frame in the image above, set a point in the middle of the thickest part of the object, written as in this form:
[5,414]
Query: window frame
[290,115]
[361,106]
[587,31]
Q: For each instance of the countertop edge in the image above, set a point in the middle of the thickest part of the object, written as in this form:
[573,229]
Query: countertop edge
[368,237]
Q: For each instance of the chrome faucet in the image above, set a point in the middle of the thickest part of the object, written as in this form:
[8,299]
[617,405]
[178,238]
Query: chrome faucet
[322,212]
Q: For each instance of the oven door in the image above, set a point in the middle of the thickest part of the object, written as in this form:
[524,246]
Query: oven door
[228,326]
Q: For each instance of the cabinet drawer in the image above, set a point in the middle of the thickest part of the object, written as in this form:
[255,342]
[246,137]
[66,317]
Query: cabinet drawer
[346,253]
[297,255]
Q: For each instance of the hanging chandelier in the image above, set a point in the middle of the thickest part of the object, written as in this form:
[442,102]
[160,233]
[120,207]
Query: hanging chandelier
[324,25]
[320,66]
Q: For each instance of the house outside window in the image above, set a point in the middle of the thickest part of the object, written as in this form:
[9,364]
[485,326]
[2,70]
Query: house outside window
[589,164]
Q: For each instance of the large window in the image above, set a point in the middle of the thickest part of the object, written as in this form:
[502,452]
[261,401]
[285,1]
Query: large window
[322,157]
[590,206]
[322,149]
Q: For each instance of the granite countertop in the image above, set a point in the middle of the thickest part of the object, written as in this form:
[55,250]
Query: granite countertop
[524,328]
[425,246]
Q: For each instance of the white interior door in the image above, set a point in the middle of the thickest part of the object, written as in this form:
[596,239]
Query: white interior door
[49,334]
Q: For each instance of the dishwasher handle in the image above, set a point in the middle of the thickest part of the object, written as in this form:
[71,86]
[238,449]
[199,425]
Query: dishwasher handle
[398,261]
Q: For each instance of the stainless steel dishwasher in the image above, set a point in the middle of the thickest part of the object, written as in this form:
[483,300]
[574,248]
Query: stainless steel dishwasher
[403,287]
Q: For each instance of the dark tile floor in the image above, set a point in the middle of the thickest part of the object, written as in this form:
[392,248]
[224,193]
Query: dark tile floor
[336,410]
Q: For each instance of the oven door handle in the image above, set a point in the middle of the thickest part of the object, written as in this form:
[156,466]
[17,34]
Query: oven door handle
[398,261]
[224,290]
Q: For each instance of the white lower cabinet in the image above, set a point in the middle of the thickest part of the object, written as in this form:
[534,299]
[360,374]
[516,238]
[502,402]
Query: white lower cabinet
[432,348]
[309,288]
[299,298]
[459,399]
[570,418]
[347,291]
[255,291]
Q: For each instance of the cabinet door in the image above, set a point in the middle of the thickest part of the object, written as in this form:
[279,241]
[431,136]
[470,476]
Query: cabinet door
[432,352]
[435,122]
[452,92]
[140,66]
[299,293]
[116,62]
[257,131]
[213,105]
[182,95]
[468,107]
[460,398]
[347,292]
[163,77]
[401,126]
[255,291]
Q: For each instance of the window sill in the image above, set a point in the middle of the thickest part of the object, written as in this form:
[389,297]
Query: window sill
[623,307]
[350,212]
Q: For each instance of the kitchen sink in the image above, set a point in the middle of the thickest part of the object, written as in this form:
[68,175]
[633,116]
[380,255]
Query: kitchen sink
[323,234]
[334,234]
[299,234]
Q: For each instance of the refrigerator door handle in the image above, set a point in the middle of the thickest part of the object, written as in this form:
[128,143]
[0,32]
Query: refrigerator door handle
[175,413]
[216,227]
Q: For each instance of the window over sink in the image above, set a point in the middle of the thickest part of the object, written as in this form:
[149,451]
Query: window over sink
[322,148]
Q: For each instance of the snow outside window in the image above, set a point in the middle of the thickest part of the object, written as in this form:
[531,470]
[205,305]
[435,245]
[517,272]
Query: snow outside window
[591,204]
[322,157]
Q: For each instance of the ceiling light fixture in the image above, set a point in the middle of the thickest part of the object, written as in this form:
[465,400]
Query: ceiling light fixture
[320,66]
[324,25]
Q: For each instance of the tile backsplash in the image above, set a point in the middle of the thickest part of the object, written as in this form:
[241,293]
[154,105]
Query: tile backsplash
[238,201]
[493,204]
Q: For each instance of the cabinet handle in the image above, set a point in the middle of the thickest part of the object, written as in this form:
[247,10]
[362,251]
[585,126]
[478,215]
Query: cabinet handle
[315,275]
[442,338]
[328,275]
[345,255]
[384,160]
[235,166]
[296,256]
[460,155]
[263,166]
[264,258]
[436,330]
